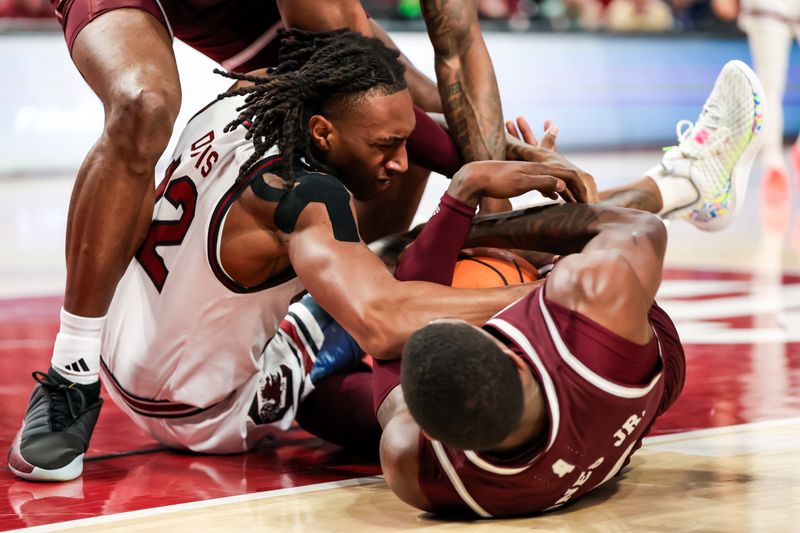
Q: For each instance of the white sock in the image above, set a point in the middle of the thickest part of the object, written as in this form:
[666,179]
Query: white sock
[676,191]
[76,354]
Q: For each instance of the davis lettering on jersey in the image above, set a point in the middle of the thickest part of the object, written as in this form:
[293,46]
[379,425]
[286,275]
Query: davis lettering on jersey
[627,428]
[584,476]
[207,157]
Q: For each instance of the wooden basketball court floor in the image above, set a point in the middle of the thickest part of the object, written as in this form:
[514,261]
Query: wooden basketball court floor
[725,458]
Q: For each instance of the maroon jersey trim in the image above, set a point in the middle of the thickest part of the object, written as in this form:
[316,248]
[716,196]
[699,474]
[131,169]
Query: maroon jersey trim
[620,391]
[618,465]
[298,336]
[149,407]
[166,20]
[480,462]
[452,475]
[514,334]
[215,228]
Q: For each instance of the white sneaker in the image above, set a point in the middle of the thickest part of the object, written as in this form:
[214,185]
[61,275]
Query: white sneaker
[716,153]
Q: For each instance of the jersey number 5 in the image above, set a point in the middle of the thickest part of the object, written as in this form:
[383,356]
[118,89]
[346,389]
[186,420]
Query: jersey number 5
[181,193]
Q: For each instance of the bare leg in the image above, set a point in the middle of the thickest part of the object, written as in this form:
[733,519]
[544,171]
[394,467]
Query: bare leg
[642,194]
[394,210]
[770,43]
[126,57]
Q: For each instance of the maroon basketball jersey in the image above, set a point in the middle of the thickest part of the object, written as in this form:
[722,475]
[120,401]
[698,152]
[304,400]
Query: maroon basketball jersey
[594,423]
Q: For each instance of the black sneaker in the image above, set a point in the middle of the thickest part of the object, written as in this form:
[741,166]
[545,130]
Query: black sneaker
[55,434]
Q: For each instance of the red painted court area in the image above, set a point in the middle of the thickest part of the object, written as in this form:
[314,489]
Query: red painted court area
[729,381]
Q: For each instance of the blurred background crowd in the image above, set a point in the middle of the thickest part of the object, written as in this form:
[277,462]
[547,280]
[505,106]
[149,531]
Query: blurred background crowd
[522,15]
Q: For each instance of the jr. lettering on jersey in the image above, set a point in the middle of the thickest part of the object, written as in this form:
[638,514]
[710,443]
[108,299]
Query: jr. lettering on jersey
[627,428]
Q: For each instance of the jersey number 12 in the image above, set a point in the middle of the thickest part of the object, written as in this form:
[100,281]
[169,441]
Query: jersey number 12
[181,193]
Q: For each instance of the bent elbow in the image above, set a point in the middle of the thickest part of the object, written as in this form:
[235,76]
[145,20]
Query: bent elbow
[655,230]
[399,457]
[642,226]
[374,333]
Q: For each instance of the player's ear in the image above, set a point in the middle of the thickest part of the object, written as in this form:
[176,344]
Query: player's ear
[518,362]
[524,372]
[322,132]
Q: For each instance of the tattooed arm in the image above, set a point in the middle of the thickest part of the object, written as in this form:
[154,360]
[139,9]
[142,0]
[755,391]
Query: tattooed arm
[642,194]
[614,259]
[423,89]
[557,229]
[467,84]
[641,199]
[466,79]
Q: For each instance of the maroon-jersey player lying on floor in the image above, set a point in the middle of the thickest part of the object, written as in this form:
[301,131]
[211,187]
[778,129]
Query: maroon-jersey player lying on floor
[550,397]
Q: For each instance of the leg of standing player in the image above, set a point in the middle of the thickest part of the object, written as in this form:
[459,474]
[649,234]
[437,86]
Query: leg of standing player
[770,42]
[770,26]
[794,155]
[126,57]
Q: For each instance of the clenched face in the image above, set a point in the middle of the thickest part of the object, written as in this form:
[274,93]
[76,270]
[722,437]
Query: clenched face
[366,143]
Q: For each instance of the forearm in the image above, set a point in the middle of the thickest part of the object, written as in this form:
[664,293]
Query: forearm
[637,238]
[466,80]
[472,110]
[380,312]
[411,305]
[431,147]
[423,89]
[556,229]
[433,254]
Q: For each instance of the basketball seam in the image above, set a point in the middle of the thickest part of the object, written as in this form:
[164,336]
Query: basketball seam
[502,277]
[519,270]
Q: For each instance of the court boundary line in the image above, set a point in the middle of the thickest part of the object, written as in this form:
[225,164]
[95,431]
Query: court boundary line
[361,481]
[200,504]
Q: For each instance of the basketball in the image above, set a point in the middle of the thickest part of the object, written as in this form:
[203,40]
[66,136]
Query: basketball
[491,267]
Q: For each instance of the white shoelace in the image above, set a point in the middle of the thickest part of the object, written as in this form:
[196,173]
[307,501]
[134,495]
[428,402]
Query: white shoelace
[684,129]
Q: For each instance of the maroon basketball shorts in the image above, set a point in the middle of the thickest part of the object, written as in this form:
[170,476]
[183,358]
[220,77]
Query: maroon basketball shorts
[238,34]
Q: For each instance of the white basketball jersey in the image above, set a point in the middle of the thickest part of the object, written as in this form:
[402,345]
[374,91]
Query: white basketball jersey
[179,329]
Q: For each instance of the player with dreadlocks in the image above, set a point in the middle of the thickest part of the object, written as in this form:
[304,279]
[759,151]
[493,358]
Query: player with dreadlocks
[244,222]
[310,80]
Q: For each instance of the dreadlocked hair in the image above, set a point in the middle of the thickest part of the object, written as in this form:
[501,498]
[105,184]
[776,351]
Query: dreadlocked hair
[314,70]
